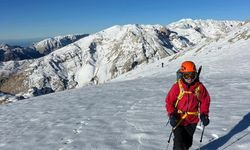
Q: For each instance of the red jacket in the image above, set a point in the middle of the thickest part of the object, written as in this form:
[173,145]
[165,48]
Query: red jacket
[189,102]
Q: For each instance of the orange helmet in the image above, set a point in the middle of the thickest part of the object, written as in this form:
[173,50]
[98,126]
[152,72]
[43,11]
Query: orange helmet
[187,66]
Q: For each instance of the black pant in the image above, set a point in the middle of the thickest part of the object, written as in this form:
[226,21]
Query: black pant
[183,137]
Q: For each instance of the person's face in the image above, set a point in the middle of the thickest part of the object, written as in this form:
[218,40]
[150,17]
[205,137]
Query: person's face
[189,77]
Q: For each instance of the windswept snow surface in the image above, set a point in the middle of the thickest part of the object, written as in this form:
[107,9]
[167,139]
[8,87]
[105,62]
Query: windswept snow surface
[129,113]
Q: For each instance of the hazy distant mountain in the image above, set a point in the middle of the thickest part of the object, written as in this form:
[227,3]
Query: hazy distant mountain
[38,49]
[22,42]
[8,53]
[105,55]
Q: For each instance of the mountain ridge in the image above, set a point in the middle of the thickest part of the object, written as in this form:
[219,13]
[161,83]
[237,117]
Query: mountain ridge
[97,58]
[36,50]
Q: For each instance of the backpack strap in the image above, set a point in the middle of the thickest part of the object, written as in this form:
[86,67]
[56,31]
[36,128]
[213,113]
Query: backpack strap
[182,92]
[198,92]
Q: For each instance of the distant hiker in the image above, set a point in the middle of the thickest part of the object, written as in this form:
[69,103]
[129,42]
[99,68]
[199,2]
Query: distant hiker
[162,65]
[187,99]
[135,63]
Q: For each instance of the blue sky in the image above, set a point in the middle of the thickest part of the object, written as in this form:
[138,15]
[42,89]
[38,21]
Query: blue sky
[23,19]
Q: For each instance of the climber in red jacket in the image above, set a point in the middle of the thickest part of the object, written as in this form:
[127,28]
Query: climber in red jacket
[187,99]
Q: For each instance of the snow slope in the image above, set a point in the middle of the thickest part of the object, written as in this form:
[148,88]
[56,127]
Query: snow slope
[129,113]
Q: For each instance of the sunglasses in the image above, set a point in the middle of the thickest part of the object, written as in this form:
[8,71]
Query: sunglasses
[189,75]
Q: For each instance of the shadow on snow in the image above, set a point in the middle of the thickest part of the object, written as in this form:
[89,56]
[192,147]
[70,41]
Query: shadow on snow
[242,125]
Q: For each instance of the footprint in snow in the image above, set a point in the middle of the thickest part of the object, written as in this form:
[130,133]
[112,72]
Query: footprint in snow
[66,141]
[77,131]
[81,125]
[214,137]
[124,142]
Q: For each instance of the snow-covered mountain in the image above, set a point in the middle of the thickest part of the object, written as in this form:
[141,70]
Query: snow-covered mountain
[48,45]
[228,48]
[198,31]
[8,53]
[100,57]
[39,49]
[127,115]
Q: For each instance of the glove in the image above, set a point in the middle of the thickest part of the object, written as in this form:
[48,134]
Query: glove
[173,120]
[204,119]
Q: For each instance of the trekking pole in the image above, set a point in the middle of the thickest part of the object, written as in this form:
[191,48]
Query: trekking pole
[169,139]
[167,122]
[170,136]
[179,122]
[202,133]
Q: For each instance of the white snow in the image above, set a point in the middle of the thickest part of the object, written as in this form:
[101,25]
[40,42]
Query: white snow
[201,30]
[85,74]
[129,113]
